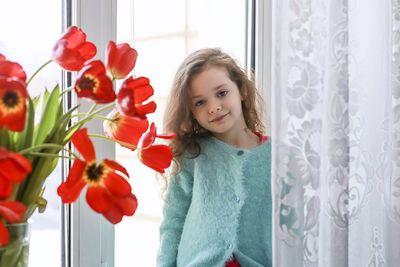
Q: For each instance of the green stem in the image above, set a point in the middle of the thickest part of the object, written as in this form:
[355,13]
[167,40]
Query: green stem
[113,140]
[90,114]
[102,109]
[104,118]
[93,107]
[69,89]
[33,148]
[49,155]
[38,70]
[94,116]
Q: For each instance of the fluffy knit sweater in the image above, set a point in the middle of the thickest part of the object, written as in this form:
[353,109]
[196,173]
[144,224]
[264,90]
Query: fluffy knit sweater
[219,205]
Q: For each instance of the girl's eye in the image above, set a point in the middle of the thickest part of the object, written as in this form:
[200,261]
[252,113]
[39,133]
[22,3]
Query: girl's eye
[222,93]
[199,103]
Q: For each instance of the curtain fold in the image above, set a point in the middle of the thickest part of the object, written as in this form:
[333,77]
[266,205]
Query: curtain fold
[336,132]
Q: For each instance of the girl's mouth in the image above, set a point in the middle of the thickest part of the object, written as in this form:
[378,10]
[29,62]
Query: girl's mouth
[217,119]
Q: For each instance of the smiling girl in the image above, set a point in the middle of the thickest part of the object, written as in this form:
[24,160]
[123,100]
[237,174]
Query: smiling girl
[217,210]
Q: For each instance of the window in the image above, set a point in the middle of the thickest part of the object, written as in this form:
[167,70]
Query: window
[182,26]
[27,37]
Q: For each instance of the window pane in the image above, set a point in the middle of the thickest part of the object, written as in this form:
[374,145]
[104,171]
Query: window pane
[181,27]
[27,37]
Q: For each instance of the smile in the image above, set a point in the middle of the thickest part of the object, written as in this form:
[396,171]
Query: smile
[217,119]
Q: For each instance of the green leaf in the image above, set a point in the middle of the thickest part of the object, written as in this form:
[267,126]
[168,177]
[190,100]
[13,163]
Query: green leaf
[31,188]
[24,139]
[48,116]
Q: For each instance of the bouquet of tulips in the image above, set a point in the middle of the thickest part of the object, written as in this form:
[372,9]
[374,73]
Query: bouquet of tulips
[31,145]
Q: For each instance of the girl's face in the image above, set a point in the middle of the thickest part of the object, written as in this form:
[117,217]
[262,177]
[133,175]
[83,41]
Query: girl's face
[215,102]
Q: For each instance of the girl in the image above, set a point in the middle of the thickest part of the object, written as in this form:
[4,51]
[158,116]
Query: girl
[218,201]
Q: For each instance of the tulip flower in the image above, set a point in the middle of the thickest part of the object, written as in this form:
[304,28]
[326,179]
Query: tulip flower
[11,212]
[93,83]
[13,95]
[13,169]
[132,94]
[108,193]
[159,156]
[125,128]
[72,50]
[11,69]
[120,59]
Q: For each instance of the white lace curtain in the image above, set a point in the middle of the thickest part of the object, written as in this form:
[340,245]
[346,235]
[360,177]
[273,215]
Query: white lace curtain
[336,133]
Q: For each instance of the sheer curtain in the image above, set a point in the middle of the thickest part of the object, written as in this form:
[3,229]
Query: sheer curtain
[336,132]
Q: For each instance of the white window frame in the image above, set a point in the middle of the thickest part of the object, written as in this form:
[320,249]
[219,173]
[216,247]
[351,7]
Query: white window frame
[92,241]
[263,47]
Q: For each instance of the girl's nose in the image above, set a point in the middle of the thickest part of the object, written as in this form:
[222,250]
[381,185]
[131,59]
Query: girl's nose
[215,108]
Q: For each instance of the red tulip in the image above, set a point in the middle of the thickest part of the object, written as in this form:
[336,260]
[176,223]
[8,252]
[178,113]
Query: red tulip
[120,59]
[131,96]
[72,50]
[13,95]
[92,82]
[124,128]
[13,169]
[108,192]
[157,157]
[11,69]
[148,138]
[12,212]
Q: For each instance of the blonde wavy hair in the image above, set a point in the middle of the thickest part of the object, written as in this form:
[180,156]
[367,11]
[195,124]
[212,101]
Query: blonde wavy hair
[178,117]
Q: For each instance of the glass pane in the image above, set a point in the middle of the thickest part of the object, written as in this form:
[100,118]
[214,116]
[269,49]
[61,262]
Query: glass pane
[27,37]
[170,16]
[183,26]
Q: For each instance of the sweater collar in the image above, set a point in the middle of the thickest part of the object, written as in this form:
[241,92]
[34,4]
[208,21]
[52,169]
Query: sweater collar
[232,149]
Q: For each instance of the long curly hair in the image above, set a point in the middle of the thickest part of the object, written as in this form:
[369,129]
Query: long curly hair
[178,117]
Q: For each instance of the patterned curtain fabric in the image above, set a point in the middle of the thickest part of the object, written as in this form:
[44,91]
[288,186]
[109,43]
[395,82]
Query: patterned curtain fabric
[336,133]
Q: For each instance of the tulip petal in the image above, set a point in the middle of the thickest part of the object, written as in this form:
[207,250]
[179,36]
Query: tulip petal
[115,166]
[146,108]
[121,207]
[4,235]
[114,215]
[5,187]
[157,157]
[12,69]
[98,199]
[13,166]
[12,211]
[83,144]
[117,185]
[142,89]
[148,138]
[75,173]
[69,193]
[87,50]
[127,205]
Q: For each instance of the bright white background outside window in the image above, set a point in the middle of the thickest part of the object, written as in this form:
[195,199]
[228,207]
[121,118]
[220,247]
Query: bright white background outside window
[164,32]
[27,35]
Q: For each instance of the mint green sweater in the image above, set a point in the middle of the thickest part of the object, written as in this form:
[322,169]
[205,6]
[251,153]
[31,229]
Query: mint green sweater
[219,205]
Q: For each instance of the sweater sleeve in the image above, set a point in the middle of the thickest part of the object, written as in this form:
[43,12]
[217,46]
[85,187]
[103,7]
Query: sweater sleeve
[177,202]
